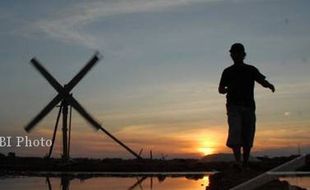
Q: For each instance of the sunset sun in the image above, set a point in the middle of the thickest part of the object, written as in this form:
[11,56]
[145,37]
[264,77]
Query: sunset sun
[206,150]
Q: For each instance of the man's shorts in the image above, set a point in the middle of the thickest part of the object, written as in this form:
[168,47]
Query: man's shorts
[241,122]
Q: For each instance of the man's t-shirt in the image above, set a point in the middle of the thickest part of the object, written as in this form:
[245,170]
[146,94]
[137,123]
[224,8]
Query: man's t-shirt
[239,80]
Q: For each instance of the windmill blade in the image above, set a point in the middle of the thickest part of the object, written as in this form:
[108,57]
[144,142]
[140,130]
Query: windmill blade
[82,72]
[95,124]
[44,112]
[47,75]
[77,106]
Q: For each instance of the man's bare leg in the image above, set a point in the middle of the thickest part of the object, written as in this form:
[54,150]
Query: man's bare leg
[246,155]
[237,154]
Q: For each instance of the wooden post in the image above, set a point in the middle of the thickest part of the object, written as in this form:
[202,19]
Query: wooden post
[65,155]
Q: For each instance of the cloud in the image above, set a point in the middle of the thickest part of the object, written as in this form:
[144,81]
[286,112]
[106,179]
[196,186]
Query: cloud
[70,24]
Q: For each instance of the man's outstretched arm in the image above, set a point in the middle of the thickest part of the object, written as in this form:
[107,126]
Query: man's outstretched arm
[267,84]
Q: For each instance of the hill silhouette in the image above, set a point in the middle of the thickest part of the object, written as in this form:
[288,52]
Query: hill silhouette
[223,157]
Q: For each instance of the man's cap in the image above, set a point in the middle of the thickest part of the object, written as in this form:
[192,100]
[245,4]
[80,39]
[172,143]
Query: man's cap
[237,47]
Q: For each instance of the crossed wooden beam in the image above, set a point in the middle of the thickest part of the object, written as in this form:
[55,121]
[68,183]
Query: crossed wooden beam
[66,100]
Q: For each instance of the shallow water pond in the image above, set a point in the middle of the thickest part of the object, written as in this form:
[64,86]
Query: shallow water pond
[300,181]
[105,183]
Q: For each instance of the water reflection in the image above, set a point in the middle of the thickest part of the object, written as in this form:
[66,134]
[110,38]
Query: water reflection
[300,181]
[160,182]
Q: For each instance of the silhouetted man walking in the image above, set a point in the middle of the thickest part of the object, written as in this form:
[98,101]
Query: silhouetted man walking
[237,82]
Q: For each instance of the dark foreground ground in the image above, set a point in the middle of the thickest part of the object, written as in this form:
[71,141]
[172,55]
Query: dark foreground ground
[226,177]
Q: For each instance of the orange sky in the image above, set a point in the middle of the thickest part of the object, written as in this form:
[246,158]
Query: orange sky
[156,85]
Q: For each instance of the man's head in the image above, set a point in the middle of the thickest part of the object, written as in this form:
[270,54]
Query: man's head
[237,52]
